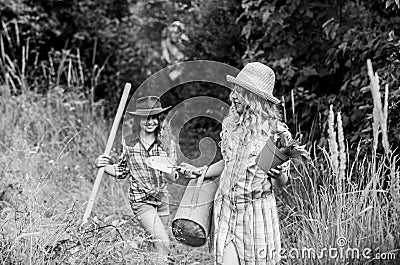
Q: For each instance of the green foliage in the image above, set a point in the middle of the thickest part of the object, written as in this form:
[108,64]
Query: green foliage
[73,53]
[110,37]
[319,49]
[47,147]
[48,144]
[213,31]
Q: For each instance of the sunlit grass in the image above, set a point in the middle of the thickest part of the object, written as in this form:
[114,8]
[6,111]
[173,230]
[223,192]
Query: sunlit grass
[48,147]
[350,207]
[48,143]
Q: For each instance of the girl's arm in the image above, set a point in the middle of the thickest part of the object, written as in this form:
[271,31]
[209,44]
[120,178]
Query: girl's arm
[212,171]
[215,169]
[118,170]
[110,170]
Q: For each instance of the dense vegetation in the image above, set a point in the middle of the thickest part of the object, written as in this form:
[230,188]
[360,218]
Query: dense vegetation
[318,49]
[62,69]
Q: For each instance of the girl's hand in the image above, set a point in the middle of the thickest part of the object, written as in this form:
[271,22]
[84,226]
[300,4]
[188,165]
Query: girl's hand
[190,171]
[275,173]
[102,161]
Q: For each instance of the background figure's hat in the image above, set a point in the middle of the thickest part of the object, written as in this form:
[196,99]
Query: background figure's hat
[147,106]
[257,78]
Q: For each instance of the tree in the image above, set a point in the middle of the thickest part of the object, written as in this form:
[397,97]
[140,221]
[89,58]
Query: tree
[319,50]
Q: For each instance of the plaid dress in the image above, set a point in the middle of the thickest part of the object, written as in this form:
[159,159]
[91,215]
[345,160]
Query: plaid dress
[144,181]
[244,207]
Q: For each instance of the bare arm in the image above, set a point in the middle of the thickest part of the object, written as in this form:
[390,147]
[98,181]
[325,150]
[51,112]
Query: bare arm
[109,168]
[213,170]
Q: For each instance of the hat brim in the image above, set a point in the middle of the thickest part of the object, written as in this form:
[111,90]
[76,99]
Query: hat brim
[252,89]
[148,112]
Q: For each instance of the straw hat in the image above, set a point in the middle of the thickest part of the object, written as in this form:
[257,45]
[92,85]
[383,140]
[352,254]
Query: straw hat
[257,78]
[147,106]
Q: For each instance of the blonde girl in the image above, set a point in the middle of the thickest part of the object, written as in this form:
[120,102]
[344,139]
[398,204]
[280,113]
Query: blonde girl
[245,215]
[148,194]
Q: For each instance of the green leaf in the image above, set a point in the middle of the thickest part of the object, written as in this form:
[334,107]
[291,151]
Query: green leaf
[246,31]
[389,2]
[266,15]
[308,71]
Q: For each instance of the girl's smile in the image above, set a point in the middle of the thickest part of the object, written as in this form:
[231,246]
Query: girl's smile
[237,99]
[149,124]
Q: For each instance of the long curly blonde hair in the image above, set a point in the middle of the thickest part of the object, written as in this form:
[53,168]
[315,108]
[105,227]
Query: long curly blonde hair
[257,111]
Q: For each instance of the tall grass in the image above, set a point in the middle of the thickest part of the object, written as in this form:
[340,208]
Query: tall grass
[346,207]
[49,138]
[48,143]
[47,146]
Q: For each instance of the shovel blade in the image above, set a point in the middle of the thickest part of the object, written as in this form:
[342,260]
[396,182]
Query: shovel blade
[160,163]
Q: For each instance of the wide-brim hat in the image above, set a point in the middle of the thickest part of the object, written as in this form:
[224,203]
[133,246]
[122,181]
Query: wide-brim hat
[148,106]
[258,79]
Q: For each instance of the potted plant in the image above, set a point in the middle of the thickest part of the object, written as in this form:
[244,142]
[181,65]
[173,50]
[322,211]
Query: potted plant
[273,155]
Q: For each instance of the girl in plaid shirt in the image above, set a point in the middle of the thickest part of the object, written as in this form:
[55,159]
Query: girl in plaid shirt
[245,215]
[148,193]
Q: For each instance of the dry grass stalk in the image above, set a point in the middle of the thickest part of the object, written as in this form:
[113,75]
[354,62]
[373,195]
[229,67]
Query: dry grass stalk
[377,105]
[12,73]
[81,75]
[284,109]
[16,32]
[341,171]
[51,71]
[292,99]
[342,148]
[5,32]
[333,147]
[395,187]
[385,140]
[25,58]
[2,52]
[379,113]
[69,73]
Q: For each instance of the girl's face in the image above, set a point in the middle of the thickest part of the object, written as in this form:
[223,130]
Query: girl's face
[238,100]
[149,124]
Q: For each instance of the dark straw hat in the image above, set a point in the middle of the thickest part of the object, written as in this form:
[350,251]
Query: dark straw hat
[147,106]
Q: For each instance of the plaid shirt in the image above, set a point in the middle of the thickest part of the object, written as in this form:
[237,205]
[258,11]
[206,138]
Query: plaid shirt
[144,181]
[244,207]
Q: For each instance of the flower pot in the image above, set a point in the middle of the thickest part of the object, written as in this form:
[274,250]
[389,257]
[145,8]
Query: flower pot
[270,156]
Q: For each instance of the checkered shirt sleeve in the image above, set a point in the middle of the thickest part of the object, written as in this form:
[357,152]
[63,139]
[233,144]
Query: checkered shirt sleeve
[121,168]
[144,181]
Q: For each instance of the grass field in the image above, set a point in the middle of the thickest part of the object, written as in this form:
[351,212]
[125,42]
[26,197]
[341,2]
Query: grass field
[48,145]
[336,211]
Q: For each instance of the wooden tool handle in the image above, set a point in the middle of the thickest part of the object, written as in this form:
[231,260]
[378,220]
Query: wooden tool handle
[107,151]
